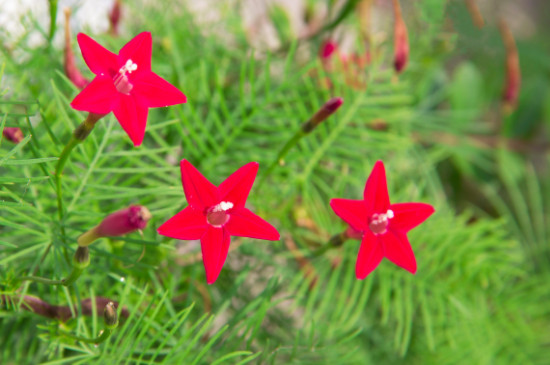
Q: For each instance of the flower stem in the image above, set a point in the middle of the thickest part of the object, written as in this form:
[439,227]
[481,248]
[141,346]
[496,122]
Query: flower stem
[110,320]
[97,340]
[40,279]
[307,127]
[282,153]
[335,241]
[66,281]
[79,135]
[53,18]
[81,260]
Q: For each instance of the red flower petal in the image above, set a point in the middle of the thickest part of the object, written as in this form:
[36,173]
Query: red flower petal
[139,50]
[99,59]
[155,91]
[376,190]
[409,215]
[214,246]
[353,212]
[370,255]
[200,192]
[244,223]
[236,187]
[189,224]
[100,96]
[132,116]
[398,250]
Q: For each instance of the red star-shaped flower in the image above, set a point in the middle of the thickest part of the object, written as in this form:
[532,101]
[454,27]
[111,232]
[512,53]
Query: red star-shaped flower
[382,226]
[124,84]
[216,213]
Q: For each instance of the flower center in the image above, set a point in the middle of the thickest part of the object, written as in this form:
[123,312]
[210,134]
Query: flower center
[121,81]
[378,223]
[217,215]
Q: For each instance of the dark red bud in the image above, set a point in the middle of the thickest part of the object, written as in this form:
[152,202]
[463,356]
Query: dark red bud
[475,13]
[353,233]
[124,221]
[326,111]
[513,71]
[13,134]
[327,49]
[400,40]
[118,224]
[71,70]
[114,17]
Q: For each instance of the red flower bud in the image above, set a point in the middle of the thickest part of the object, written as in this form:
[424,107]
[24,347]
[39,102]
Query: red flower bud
[326,111]
[114,17]
[71,70]
[513,71]
[327,49]
[475,13]
[400,40]
[13,134]
[118,224]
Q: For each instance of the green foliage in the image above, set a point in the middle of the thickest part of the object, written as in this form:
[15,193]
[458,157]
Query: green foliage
[479,293]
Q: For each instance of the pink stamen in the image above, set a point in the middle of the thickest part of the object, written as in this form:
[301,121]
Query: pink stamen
[122,83]
[217,215]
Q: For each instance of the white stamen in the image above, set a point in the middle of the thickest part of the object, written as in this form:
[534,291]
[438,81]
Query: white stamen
[222,207]
[383,217]
[128,67]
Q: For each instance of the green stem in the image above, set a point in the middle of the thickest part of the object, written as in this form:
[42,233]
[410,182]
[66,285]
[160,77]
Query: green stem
[42,280]
[81,260]
[79,135]
[335,241]
[99,339]
[53,18]
[75,274]
[282,153]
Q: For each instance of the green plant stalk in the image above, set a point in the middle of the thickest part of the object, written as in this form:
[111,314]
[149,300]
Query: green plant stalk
[81,260]
[73,276]
[79,135]
[282,153]
[335,241]
[53,18]
[97,340]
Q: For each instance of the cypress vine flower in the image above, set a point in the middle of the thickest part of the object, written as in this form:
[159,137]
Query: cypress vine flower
[214,214]
[382,226]
[124,84]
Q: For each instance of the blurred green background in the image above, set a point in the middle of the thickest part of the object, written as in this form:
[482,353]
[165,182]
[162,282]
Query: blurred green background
[252,74]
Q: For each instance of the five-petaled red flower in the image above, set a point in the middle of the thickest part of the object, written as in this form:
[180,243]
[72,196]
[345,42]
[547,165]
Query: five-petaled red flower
[216,213]
[383,226]
[124,84]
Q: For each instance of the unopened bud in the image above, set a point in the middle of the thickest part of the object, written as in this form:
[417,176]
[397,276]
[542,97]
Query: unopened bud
[326,111]
[118,224]
[71,70]
[353,233]
[513,71]
[81,258]
[114,17]
[475,13]
[400,40]
[327,49]
[110,316]
[13,134]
